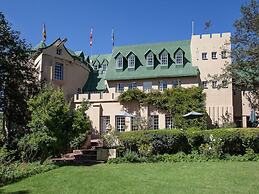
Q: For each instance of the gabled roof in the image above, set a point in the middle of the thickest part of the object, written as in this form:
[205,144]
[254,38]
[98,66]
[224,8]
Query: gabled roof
[147,52]
[179,49]
[142,72]
[131,52]
[162,52]
[96,80]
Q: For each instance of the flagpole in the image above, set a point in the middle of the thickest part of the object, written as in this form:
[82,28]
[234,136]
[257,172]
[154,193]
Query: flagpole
[91,41]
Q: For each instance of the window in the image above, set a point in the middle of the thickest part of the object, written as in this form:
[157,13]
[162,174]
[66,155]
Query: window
[134,124]
[179,57]
[132,85]
[119,62]
[153,122]
[164,58]
[223,54]
[59,51]
[95,68]
[162,85]
[120,88]
[150,59]
[204,84]
[105,121]
[168,122]
[176,83]
[120,123]
[59,71]
[224,84]
[214,84]
[214,55]
[131,61]
[204,56]
[104,67]
[147,86]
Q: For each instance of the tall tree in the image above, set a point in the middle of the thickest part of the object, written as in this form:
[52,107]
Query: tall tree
[245,51]
[17,81]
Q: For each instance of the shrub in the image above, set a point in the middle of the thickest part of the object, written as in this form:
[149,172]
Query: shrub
[211,143]
[13,172]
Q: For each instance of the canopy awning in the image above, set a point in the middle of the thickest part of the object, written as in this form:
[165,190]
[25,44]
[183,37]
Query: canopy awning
[124,114]
[193,114]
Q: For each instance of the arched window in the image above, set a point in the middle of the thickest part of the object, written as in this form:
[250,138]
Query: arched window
[179,57]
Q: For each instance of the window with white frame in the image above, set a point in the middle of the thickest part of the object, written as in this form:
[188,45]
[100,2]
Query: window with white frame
[105,121]
[176,83]
[204,56]
[179,57]
[150,59]
[147,86]
[214,55]
[223,54]
[154,122]
[134,123]
[131,61]
[119,88]
[204,84]
[119,62]
[104,67]
[59,71]
[164,58]
[132,85]
[162,85]
[168,122]
[214,84]
[120,123]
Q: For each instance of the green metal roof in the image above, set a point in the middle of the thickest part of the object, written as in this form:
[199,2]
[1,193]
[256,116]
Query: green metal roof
[41,45]
[96,80]
[141,71]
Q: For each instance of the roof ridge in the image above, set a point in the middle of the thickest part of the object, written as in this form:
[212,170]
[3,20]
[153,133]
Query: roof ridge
[152,44]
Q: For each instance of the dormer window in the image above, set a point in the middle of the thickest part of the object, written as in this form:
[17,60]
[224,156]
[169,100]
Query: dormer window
[59,51]
[179,57]
[104,67]
[119,62]
[131,61]
[150,59]
[164,58]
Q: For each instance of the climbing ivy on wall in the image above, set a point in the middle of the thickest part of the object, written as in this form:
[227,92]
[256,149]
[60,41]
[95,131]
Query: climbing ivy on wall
[176,101]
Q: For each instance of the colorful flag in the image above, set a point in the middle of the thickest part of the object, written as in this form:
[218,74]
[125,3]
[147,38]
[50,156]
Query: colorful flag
[91,37]
[113,38]
[44,34]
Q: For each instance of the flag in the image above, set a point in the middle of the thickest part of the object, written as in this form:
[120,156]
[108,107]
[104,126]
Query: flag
[113,38]
[207,25]
[91,37]
[44,34]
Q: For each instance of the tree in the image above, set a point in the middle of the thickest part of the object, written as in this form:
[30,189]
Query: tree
[17,82]
[53,126]
[244,70]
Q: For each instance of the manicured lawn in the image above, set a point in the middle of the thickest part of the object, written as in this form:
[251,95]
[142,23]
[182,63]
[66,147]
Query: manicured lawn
[207,177]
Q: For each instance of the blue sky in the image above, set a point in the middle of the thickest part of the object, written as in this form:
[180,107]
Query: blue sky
[134,22]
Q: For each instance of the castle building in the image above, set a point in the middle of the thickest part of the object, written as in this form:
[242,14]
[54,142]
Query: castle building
[102,78]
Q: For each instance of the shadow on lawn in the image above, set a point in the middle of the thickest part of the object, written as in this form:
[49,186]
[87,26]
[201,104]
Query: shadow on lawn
[15,192]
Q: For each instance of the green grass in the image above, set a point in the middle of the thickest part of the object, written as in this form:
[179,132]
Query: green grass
[193,177]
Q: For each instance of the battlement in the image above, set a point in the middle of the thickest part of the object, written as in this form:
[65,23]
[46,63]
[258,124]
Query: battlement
[210,36]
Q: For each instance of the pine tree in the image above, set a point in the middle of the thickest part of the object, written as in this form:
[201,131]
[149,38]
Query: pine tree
[17,81]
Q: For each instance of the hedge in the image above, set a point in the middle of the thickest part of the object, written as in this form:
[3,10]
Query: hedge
[214,143]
